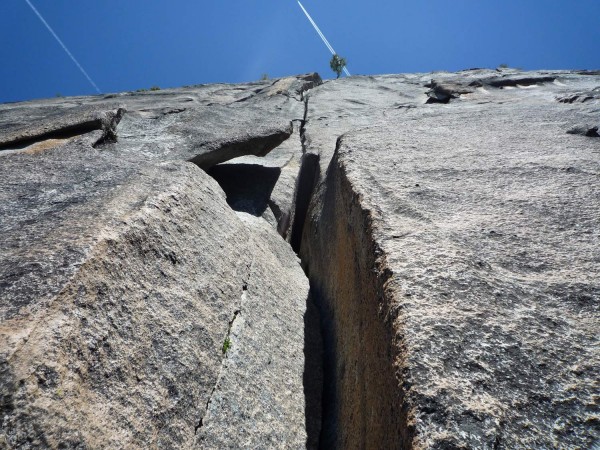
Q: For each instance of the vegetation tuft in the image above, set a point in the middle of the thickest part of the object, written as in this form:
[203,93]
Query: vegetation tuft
[337,64]
[226,344]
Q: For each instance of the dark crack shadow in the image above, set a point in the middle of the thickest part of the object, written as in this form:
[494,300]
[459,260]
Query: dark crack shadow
[248,186]
[305,184]
[67,132]
[312,379]
[327,413]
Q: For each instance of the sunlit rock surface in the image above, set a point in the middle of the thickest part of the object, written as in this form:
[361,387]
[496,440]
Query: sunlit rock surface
[448,225]
[456,247]
[138,310]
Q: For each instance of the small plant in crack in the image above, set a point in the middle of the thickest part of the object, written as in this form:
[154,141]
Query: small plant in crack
[226,345]
[227,341]
[337,64]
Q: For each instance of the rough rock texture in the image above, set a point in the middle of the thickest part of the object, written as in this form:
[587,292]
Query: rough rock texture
[455,250]
[257,395]
[207,124]
[264,185]
[104,356]
[124,272]
[449,225]
[26,126]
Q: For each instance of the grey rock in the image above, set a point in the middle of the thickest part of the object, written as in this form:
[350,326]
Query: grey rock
[243,145]
[445,91]
[96,347]
[122,270]
[254,183]
[448,224]
[257,396]
[516,80]
[23,127]
[454,250]
[581,97]
[584,130]
[207,124]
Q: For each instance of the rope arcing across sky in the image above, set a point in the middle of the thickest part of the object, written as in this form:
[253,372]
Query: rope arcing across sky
[37,13]
[325,41]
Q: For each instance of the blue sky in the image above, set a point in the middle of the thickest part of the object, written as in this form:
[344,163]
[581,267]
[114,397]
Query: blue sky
[132,44]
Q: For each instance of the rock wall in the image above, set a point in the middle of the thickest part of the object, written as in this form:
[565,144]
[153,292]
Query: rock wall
[138,309]
[110,360]
[363,402]
[447,225]
[258,396]
[454,247]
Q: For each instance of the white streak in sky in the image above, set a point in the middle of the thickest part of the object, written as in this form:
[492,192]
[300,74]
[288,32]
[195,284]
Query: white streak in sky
[63,46]
[325,41]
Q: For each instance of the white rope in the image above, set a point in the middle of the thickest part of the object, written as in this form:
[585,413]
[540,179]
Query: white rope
[325,41]
[63,46]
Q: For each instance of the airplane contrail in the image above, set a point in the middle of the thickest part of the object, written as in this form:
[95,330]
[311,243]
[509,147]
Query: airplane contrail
[325,41]
[37,13]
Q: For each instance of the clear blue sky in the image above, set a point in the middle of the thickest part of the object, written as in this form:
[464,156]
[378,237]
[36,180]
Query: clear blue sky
[132,44]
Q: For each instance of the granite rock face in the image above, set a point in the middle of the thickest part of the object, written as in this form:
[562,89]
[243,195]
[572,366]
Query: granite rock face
[106,357]
[448,225]
[135,304]
[455,248]
[257,396]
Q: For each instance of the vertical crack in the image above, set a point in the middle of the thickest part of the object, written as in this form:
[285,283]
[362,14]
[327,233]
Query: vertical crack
[227,344]
[227,341]
[303,123]
[305,184]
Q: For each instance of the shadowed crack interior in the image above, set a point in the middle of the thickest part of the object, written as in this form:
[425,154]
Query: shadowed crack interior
[248,186]
[62,134]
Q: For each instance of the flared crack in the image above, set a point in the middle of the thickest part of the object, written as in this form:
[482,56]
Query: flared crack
[255,145]
[106,122]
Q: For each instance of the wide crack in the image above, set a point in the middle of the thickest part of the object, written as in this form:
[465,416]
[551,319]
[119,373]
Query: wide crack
[305,185]
[107,123]
[248,188]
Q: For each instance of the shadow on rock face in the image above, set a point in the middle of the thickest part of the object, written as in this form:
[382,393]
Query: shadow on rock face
[312,378]
[248,186]
[584,130]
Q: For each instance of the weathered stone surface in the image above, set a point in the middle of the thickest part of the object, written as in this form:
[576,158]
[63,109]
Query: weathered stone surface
[96,348]
[22,127]
[252,184]
[455,251]
[121,270]
[451,246]
[206,124]
[516,80]
[584,130]
[257,396]
[581,97]
[445,91]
